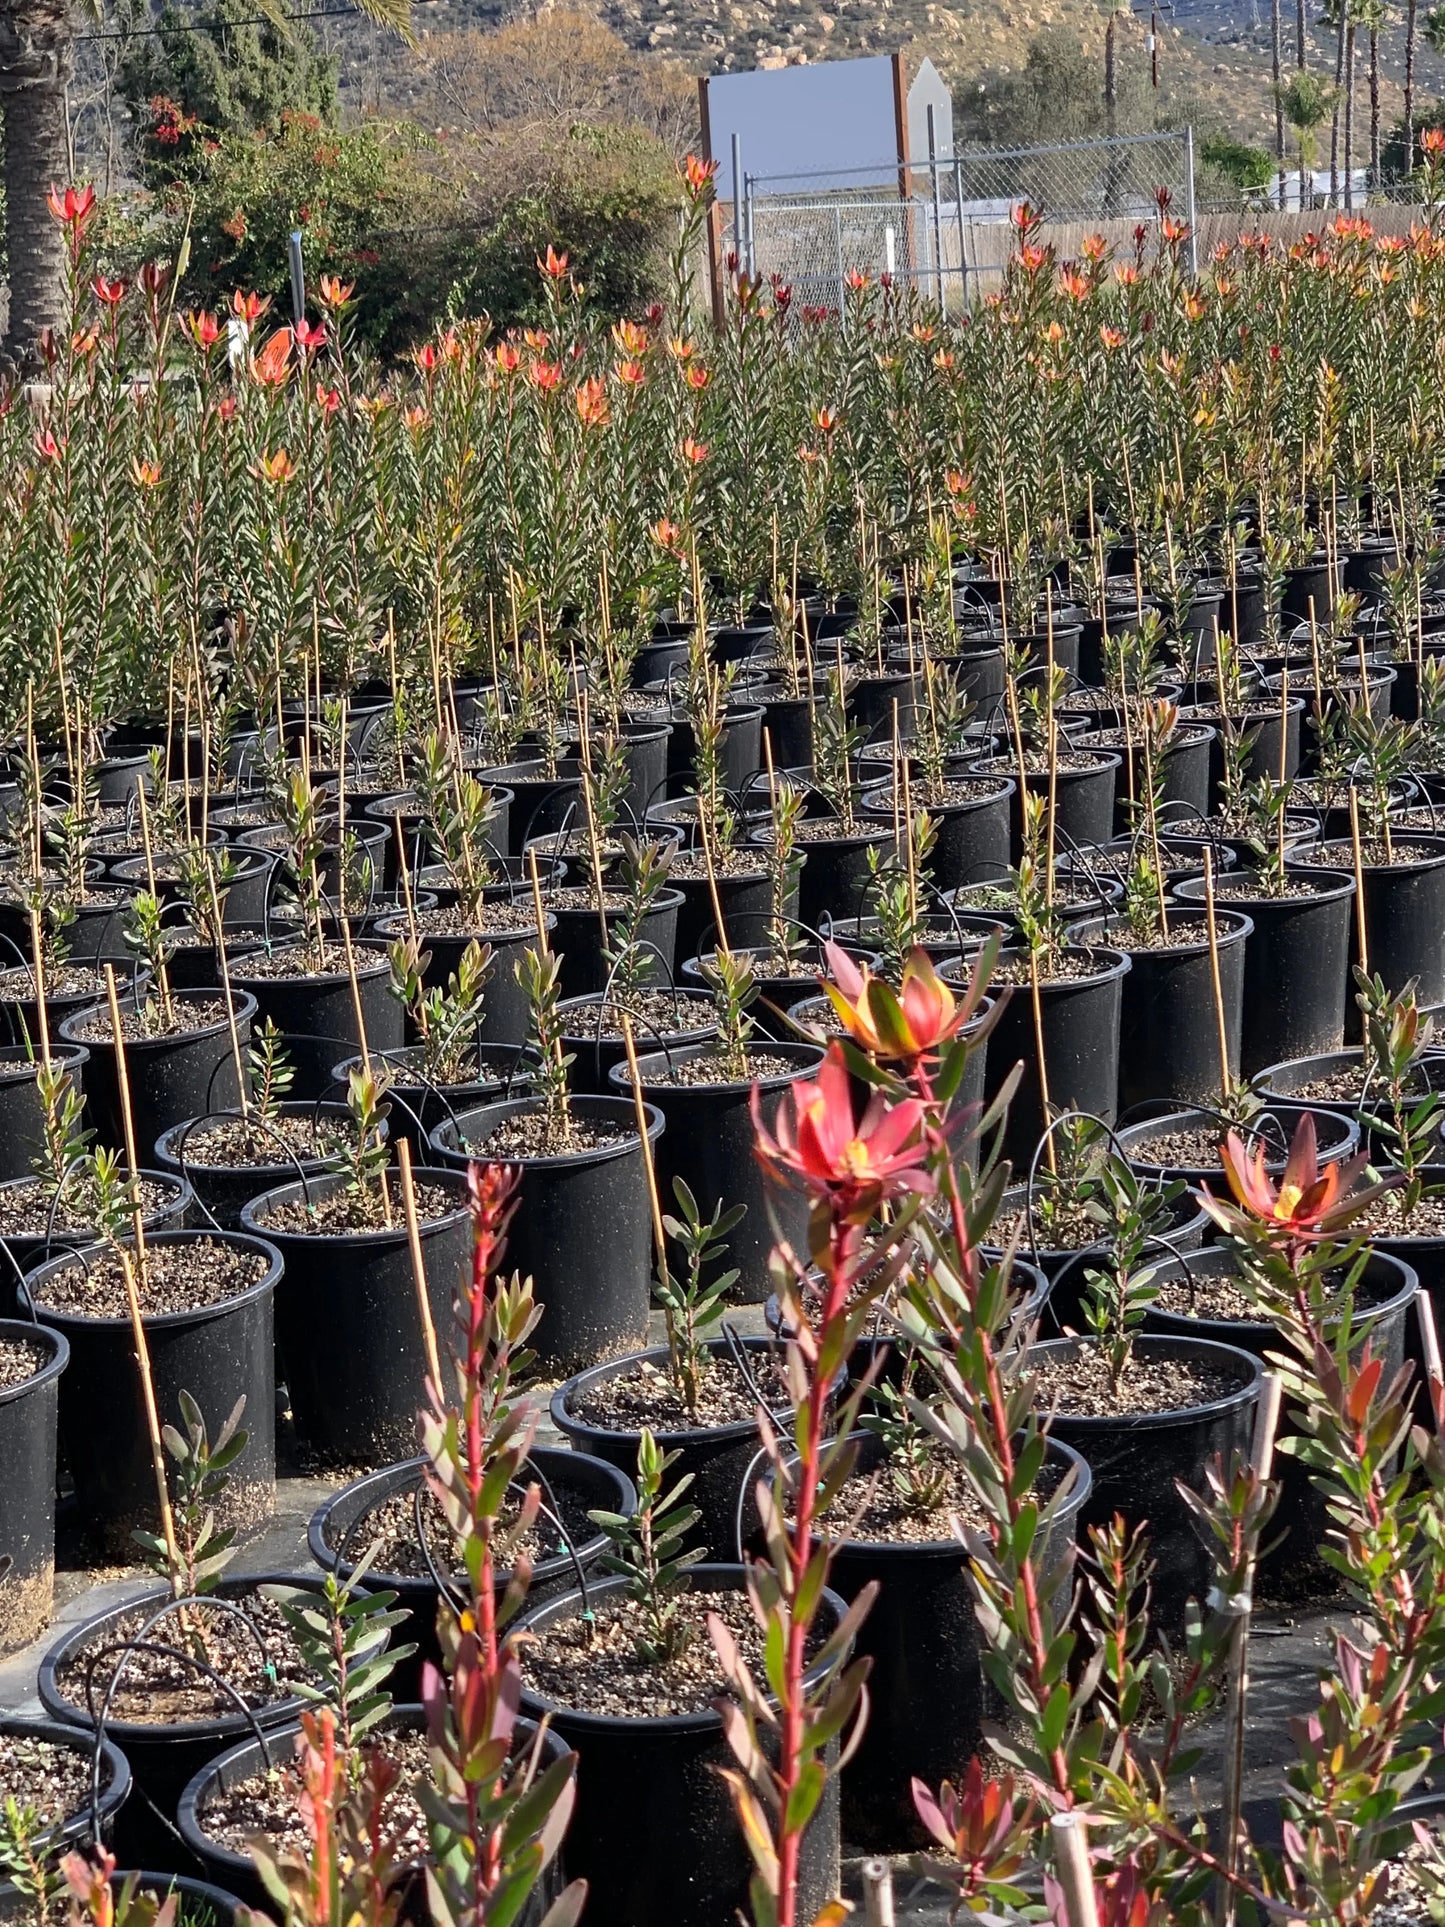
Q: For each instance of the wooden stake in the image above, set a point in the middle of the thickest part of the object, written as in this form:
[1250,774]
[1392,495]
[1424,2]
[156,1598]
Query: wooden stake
[1261,1460]
[145,837]
[1430,1345]
[649,1168]
[38,973]
[1284,756]
[1076,1876]
[418,1266]
[225,969]
[1043,1065]
[1214,978]
[1360,929]
[132,1293]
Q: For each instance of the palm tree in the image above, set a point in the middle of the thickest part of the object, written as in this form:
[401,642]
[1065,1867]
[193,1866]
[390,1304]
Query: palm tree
[1307,103]
[37,58]
[1372,16]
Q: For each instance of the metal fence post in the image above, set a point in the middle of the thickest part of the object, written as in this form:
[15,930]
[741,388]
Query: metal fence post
[937,216]
[1189,199]
[838,244]
[750,244]
[958,210]
[737,247]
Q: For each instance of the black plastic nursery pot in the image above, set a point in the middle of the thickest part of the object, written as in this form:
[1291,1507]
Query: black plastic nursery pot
[927,1694]
[504,1008]
[1296,963]
[1184,1226]
[163,1755]
[1383,1296]
[746,900]
[22,1115]
[28,1415]
[19,1010]
[338,1535]
[222,1190]
[656,1782]
[1404,911]
[709,1143]
[594,1049]
[541,802]
[836,876]
[241,1763]
[1079,1019]
[578,941]
[582,1229]
[218,1353]
[21,1252]
[316,1013]
[80,1828]
[1183,778]
[1168,1020]
[1137,1457]
[419,1104]
[171,1078]
[972,843]
[346,1316]
[718,1457]
[740,749]
[1083,796]
[1336,1137]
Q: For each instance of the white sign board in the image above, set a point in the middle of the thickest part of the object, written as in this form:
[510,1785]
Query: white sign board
[809,121]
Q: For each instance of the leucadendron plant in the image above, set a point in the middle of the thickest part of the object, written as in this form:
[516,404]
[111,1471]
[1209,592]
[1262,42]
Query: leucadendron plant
[498,1810]
[447,1016]
[849,1168]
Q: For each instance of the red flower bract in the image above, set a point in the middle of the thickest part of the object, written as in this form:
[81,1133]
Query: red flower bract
[854,1164]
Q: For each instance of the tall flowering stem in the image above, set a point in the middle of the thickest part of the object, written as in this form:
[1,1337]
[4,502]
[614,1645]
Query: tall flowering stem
[497,1819]
[849,1167]
[914,1043]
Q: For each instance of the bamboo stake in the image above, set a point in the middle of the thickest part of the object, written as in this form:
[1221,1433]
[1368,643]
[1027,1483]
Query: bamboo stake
[707,857]
[37,971]
[1430,1345]
[546,951]
[225,969]
[593,842]
[1152,818]
[1043,1064]
[1051,737]
[1261,1461]
[649,1168]
[418,1265]
[1360,929]
[1214,978]
[145,837]
[1076,1876]
[132,1294]
[1284,755]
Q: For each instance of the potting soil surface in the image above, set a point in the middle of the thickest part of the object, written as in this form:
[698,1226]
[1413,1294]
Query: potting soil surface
[343,1210]
[53,1781]
[269,1802]
[26,1208]
[646,1395]
[18,1361]
[1080,1384]
[174,1278]
[236,1141]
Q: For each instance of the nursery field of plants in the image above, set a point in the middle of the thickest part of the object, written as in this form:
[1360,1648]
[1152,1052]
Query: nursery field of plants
[849,911]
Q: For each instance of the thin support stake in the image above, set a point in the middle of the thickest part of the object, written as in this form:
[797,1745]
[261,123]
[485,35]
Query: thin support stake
[418,1263]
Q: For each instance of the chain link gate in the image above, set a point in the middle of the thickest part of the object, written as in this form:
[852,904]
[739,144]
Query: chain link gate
[943,224]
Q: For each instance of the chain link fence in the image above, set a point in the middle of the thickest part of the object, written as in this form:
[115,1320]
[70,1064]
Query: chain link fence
[943,223]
